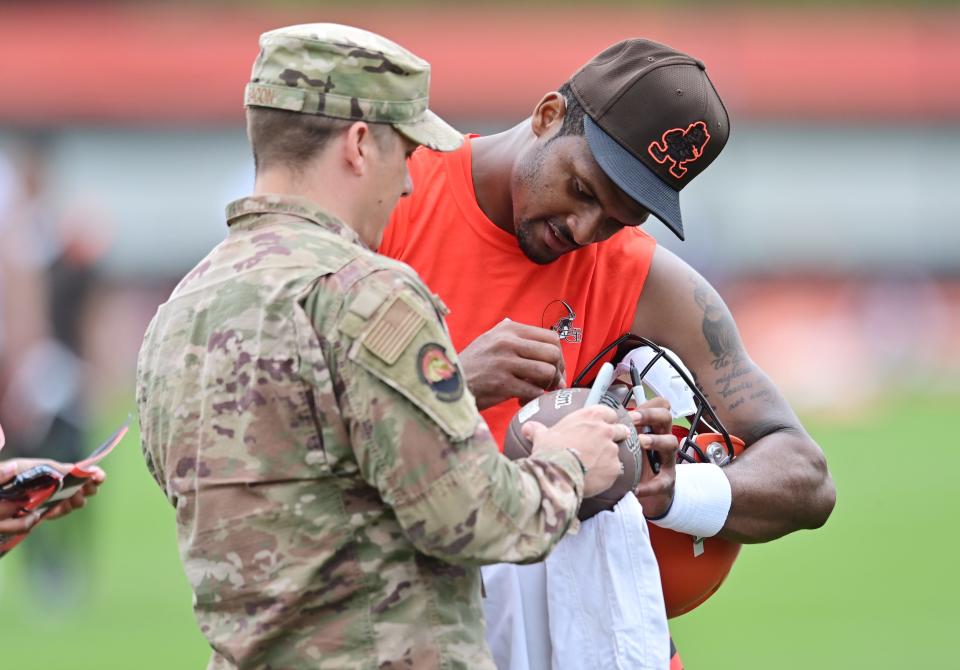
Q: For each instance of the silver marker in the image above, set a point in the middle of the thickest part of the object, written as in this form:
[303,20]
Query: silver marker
[600,385]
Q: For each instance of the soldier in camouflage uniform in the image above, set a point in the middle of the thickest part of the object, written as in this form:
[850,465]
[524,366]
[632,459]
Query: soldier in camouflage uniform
[303,409]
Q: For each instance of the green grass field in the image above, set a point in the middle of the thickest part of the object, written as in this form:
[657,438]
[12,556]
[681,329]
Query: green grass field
[872,589]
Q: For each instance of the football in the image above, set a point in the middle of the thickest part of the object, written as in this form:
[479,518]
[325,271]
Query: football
[550,408]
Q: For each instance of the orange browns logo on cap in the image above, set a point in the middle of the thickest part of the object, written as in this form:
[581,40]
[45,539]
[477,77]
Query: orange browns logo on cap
[680,146]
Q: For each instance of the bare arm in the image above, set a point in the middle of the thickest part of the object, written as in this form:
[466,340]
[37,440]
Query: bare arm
[781,482]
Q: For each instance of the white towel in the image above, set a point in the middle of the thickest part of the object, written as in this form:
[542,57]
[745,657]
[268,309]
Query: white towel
[595,603]
[515,608]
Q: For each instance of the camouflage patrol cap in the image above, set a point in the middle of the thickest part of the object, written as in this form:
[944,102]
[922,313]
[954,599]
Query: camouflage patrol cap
[347,73]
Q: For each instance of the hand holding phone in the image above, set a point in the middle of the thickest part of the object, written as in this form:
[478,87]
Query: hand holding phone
[32,489]
[31,486]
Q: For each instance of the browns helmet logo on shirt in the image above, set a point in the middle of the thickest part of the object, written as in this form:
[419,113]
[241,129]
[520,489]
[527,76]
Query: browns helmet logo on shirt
[559,317]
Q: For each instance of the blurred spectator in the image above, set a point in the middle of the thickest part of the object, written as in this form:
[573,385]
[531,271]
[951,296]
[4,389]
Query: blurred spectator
[47,278]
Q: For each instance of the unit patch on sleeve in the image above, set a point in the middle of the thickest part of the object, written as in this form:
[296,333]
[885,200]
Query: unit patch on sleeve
[437,371]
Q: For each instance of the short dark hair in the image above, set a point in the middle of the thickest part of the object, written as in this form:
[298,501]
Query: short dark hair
[291,139]
[573,118]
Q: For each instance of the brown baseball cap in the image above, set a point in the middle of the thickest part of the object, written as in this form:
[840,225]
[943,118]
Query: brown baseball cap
[653,121]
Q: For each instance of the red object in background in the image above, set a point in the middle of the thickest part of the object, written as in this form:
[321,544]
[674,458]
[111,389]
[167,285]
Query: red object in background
[182,64]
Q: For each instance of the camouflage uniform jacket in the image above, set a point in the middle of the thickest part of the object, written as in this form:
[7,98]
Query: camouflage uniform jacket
[335,488]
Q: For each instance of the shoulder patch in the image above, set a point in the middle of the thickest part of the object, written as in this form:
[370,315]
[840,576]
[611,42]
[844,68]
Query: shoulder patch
[437,371]
[406,346]
[393,330]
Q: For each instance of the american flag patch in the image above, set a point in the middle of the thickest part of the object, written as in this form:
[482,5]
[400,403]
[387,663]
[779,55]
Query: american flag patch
[393,331]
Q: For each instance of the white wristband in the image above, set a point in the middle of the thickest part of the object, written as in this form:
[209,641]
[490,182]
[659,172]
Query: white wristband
[701,501]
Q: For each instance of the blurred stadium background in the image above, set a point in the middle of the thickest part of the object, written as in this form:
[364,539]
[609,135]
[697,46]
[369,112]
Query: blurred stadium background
[831,224]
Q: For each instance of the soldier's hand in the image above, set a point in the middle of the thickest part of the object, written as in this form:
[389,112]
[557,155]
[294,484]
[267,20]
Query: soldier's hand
[591,432]
[653,422]
[513,360]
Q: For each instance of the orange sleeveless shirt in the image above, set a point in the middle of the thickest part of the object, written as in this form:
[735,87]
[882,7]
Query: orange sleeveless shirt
[481,274]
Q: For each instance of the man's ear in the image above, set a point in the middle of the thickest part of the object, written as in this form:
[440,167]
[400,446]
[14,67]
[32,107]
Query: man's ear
[357,145]
[548,114]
